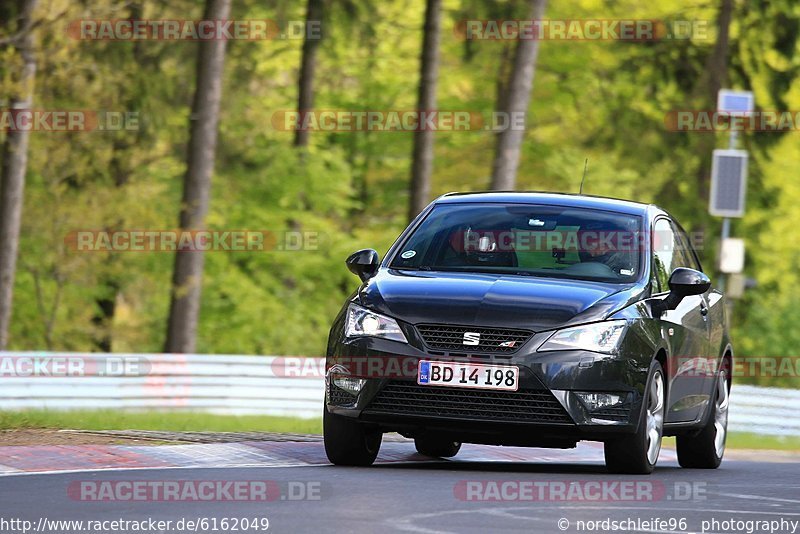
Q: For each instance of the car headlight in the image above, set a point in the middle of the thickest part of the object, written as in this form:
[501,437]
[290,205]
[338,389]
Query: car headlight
[362,322]
[598,337]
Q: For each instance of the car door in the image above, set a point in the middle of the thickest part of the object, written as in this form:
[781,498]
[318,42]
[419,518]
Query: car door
[685,329]
[714,311]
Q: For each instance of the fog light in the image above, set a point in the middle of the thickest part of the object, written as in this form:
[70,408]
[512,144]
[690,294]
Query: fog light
[349,384]
[598,401]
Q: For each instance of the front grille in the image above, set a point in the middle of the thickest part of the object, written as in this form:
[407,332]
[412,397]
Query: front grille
[408,398]
[496,340]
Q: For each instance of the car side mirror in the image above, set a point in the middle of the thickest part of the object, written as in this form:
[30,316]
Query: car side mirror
[363,263]
[684,282]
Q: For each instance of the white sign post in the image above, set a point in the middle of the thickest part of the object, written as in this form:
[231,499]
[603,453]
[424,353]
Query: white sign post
[731,256]
[729,182]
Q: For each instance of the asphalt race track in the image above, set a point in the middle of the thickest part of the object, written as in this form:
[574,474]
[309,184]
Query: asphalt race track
[485,489]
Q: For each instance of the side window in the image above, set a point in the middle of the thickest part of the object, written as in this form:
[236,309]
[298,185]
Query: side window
[664,248]
[684,251]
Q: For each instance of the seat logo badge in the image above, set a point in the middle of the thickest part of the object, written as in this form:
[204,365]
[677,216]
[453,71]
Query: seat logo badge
[472,338]
[509,344]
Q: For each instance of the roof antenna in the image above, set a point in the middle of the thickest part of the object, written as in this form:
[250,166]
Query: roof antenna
[585,166]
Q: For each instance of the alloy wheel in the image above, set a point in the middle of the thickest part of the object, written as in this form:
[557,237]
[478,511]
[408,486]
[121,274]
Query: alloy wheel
[721,415]
[655,417]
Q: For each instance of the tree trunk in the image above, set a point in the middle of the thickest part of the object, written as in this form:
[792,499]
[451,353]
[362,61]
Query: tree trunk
[422,160]
[12,175]
[715,78]
[704,96]
[305,101]
[718,62]
[188,273]
[509,141]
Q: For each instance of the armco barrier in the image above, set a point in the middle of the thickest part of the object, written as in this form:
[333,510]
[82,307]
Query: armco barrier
[251,385]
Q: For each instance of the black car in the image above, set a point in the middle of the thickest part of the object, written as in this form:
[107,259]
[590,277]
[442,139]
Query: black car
[532,319]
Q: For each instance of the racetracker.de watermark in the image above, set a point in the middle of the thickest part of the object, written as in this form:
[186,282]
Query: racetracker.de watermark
[193,490]
[395,120]
[397,366]
[192,30]
[191,240]
[724,121]
[533,240]
[578,490]
[738,367]
[636,30]
[67,120]
[369,366]
[72,365]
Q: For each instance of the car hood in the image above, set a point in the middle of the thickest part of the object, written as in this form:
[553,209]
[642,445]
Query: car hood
[479,299]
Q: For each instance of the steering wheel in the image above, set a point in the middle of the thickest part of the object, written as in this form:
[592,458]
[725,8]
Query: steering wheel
[592,268]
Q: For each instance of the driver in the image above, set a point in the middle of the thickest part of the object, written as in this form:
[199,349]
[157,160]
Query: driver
[599,243]
[489,247]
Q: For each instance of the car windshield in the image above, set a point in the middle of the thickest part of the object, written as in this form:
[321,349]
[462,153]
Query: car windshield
[526,239]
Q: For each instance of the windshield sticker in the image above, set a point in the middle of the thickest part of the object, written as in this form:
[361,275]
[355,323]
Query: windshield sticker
[408,254]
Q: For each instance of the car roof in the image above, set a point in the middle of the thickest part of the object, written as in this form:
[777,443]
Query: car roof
[554,199]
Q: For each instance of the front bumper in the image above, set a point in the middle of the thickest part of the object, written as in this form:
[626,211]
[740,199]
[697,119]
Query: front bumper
[544,411]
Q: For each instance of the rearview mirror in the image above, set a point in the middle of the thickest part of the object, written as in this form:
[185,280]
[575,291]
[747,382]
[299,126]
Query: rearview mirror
[684,282]
[363,263]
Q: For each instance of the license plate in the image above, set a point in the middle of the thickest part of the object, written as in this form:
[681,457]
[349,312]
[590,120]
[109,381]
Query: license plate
[468,375]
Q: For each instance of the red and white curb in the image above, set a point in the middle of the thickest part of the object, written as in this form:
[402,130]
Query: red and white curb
[16,460]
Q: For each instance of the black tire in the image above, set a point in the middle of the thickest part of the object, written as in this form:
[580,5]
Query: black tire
[632,454]
[436,446]
[701,450]
[348,442]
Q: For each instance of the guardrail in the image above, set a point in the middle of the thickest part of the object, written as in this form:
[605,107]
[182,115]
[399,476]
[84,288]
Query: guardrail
[251,385]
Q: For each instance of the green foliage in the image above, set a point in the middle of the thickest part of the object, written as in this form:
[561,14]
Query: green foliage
[604,100]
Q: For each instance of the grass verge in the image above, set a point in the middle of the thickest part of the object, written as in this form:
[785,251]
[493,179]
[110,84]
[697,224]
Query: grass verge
[743,440]
[181,421]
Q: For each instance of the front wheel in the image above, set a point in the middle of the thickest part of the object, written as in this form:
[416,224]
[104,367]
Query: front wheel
[705,449]
[347,442]
[638,454]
